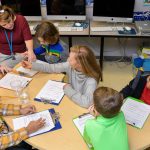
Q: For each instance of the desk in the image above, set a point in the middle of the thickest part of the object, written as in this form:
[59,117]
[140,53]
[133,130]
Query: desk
[68,138]
[111,34]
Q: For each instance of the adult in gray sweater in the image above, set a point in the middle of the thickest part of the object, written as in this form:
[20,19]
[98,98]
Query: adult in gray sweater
[82,70]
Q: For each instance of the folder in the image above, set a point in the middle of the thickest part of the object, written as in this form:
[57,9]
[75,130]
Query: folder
[55,121]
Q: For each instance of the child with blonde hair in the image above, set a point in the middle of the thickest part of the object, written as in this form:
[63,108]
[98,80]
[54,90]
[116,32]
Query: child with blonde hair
[83,72]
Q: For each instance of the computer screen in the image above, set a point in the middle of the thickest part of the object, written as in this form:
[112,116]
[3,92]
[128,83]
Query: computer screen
[113,10]
[30,9]
[66,9]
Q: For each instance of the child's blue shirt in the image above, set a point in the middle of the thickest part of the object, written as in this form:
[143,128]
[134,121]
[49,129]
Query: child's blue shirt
[53,53]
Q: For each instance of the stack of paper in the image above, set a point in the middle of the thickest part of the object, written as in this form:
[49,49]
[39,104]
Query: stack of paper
[135,112]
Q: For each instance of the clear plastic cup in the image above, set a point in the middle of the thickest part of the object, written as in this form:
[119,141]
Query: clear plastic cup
[17,86]
[24,96]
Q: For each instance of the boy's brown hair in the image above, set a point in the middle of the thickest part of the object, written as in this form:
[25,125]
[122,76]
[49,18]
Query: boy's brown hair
[107,101]
[6,14]
[48,32]
[87,60]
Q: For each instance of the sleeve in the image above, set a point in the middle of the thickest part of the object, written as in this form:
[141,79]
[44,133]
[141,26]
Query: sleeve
[39,50]
[26,30]
[51,68]
[64,52]
[83,100]
[13,138]
[127,90]
[9,109]
[86,137]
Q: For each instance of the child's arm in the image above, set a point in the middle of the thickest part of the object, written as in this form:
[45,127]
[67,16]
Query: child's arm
[51,68]
[127,90]
[39,50]
[83,98]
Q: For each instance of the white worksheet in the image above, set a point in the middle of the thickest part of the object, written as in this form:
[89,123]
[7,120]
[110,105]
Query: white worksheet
[52,91]
[24,121]
[135,112]
[28,72]
[9,77]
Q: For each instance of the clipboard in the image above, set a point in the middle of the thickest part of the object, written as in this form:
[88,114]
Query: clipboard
[47,87]
[135,111]
[77,120]
[56,122]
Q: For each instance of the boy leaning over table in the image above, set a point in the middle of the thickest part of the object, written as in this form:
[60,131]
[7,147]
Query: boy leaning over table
[8,140]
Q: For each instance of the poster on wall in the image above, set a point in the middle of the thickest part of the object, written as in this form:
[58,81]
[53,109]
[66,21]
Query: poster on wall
[146,2]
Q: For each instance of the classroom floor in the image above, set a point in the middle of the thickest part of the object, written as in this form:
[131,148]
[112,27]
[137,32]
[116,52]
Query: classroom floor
[116,74]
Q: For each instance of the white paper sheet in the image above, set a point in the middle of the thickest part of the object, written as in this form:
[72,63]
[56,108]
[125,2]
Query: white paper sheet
[24,121]
[52,91]
[135,112]
[9,77]
[27,72]
[80,123]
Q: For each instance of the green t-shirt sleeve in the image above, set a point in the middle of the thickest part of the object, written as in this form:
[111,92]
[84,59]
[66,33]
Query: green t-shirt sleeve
[86,138]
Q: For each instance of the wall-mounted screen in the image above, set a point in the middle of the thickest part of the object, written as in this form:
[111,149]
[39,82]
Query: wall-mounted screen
[66,9]
[30,9]
[113,10]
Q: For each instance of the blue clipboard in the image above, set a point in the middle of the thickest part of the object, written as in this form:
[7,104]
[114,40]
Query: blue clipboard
[39,100]
[48,101]
[57,124]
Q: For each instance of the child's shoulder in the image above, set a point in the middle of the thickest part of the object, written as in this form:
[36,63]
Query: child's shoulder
[57,47]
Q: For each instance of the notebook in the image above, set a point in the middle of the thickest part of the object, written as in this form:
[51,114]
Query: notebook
[5,82]
[52,92]
[80,123]
[50,125]
[136,112]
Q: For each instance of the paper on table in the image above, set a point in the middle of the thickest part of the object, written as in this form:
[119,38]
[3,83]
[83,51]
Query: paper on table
[9,77]
[81,120]
[80,123]
[24,121]
[135,112]
[52,91]
[28,72]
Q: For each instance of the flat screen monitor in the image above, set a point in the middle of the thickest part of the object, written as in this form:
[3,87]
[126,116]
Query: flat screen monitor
[30,9]
[66,9]
[113,10]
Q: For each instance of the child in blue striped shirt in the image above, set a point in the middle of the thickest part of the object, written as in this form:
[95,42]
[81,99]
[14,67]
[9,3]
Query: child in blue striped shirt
[51,49]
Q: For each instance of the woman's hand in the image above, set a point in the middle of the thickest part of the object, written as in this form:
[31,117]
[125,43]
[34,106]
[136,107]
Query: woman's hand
[26,64]
[33,126]
[5,69]
[30,109]
[31,56]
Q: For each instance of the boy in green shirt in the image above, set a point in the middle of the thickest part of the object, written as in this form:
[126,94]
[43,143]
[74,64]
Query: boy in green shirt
[108,130]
